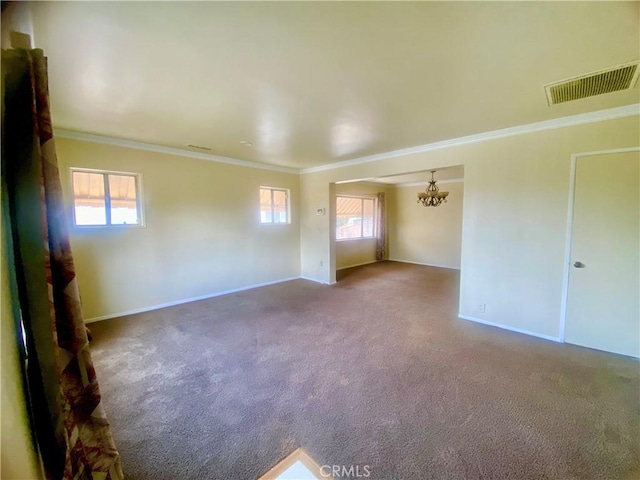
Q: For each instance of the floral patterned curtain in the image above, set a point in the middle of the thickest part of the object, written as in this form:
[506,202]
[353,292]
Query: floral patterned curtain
[72,432]
[381,236]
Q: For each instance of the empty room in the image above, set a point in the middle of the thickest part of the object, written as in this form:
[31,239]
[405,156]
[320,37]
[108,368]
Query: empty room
[309,240]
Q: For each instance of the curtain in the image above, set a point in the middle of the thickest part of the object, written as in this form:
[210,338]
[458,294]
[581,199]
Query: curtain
[381,235]
[71,429]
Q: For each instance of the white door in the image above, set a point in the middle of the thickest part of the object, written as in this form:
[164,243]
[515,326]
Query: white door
[603,306]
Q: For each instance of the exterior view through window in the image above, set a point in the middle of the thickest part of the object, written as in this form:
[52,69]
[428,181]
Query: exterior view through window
[274,205]
[103,198]
[355,217]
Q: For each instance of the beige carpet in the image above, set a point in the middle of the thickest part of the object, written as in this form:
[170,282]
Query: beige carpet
[375,371]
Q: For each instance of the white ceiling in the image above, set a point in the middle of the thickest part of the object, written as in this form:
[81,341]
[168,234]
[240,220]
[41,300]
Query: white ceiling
[314,83]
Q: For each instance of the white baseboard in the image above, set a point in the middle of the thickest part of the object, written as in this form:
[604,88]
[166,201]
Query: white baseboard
[321,282]
[512,329]
[358,264]
[186,300]
[425,264]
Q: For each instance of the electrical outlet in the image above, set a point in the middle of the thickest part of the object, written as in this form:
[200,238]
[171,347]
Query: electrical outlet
[482,308]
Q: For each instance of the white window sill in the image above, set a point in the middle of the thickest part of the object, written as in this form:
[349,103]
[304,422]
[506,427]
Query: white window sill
[354,239]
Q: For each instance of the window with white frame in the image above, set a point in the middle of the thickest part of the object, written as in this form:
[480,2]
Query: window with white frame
[102,198]
[274,205]
[355,217]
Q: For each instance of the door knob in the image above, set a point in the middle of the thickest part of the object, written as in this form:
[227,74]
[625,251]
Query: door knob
[579,265]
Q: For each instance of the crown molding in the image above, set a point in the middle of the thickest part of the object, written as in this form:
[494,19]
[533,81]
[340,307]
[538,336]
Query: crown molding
[590,117]
[150,147]
[424,184]
[580,119]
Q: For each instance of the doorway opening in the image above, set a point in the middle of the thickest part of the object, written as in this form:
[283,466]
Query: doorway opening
[412,232]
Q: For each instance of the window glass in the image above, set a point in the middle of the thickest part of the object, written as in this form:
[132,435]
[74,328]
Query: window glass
[124,204]
[105,198]
[88,198]
[367,217]
[355,217]
[279,206]
[274,205]
[266,214]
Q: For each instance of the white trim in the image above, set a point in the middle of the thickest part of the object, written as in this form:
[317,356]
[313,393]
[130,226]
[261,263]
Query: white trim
[567,247]
[511,329]
[186,300]
[424,264]
[371,196]
[321,282]
[425,183]
[561,122]
[367,181]
[355,239]
[590,117]
[298,455]
[140,205]
[121,142]
[358,180]
[358,264]
[287,193]
[374,231]
[569,233]
[604,152]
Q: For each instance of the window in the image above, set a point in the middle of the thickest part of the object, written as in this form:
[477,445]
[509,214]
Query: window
[355,217]
[274,205]
[102,198]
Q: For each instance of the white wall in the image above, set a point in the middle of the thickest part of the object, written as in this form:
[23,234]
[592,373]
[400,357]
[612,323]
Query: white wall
[202,233]
[514,217]
[359,251]
[426,235]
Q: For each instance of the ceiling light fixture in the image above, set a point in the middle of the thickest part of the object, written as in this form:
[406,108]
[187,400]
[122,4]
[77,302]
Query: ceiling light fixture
[433,196]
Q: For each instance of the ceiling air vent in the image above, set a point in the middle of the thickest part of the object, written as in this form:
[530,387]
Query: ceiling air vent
[620,77]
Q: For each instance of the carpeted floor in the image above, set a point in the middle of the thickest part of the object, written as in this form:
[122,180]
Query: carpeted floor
[375,371]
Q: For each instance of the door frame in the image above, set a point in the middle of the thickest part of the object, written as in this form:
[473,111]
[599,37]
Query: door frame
[569,234]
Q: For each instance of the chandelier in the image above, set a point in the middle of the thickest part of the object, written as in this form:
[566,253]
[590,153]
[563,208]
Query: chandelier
[433,196]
